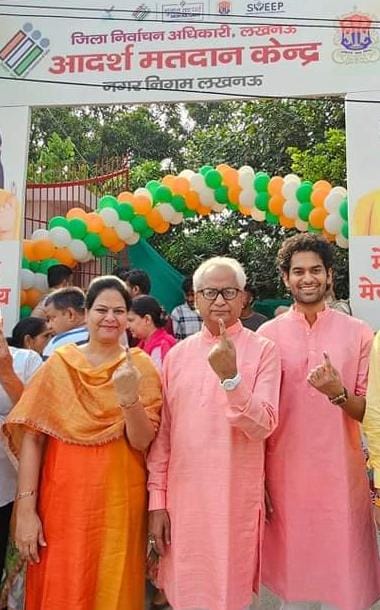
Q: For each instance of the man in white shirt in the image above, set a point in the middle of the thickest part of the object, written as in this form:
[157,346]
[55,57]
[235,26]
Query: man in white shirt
[66,318]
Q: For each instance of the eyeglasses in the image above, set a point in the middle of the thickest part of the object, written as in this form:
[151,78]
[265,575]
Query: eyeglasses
[211,294]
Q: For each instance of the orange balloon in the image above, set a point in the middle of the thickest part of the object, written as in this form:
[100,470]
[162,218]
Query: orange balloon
[276,203]
[245,211]
[117,247]
[23,297]
[64,256]
[43,248]
[168,180]
[287,223]
[95,223]
[33,297]
[163,227]
[222,167]
[154,219]
[76,213]
[317,218]
[318,197]
[180,186]
[323,184]
[231,177]
[203,210]
[109,237]
[126,197]
[142,205]
[329,236]
[234,193]
[192,200]
[275,185]
[29,250]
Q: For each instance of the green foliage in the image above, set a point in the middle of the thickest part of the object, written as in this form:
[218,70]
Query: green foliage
[54,161]
[140,174]
[325,160]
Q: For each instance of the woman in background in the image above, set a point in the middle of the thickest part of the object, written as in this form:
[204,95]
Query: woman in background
[30,333]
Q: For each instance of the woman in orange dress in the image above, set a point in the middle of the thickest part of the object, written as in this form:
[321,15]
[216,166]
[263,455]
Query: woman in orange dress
[80,431]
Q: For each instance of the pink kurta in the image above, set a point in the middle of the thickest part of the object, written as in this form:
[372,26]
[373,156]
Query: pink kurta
[320,543]
[207,468]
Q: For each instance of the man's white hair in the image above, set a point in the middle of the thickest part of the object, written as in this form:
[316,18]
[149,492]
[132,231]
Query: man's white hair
[219,261]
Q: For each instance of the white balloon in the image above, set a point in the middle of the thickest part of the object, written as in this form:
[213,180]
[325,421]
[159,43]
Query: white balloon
[133,239]
[177,218]
[110,217]
[288,190]
[247,169]
[246,198]
[27,279]
[245,179]
[301,225]
[40,234]
[40,282]
[290,209]
[218,207]
[197,182]
[258,215]
[333,223]
[144,192]
[124,229]
[186,173]
[333,201]
[341,241]
[206,195]
[60,237]
[341,190]
[293,178]
[89,257]
[79,250]
[166,210]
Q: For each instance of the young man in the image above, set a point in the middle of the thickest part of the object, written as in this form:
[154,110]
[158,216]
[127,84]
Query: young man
[249,318]
[138,282]
[186,320]
[320,542]
[206,466]
[58,276]
[65,312]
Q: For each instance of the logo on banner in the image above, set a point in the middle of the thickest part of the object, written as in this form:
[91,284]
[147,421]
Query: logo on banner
[267,8]
[24,50]
[141,12]
[224,7]
[356,40]
[183,11]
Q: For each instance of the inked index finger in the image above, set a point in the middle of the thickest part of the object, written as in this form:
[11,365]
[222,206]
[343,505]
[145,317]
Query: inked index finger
[327,361]
[222,329]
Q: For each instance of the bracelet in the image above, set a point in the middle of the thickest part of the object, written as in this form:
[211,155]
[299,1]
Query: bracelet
[377,501]
[131,404]
[25,494]
[340,399]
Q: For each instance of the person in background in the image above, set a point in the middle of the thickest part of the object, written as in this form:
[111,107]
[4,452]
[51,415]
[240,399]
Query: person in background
[185,318]
[147,321]
[249,318]
[120,272]
[58,276]
[65,310]
[137,282]
[341,305]
[30,333]
[16,368]
[80,432]
[280,310]
[320,542]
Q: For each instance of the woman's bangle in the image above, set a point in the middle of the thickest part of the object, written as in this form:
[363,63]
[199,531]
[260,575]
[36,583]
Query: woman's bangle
[377,501]
[130,405]
[25,494]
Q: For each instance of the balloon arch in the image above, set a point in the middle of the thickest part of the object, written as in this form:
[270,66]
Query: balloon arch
[80,236]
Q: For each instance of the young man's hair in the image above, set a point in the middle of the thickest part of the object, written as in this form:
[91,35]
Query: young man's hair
[187,285]
[138,277]
[120,272]
[58,274]
[250,288]
[66,298]
[305,242]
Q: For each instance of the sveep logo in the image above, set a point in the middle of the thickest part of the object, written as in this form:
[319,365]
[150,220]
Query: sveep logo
[267,8]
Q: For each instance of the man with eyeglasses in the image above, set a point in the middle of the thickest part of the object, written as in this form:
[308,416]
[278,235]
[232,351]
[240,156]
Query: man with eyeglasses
[206,467]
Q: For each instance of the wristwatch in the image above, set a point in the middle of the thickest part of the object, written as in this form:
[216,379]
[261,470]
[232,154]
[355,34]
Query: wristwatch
[340,399]
[231,384]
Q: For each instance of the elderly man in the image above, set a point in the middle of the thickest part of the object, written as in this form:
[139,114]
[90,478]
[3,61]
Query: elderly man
[206,468]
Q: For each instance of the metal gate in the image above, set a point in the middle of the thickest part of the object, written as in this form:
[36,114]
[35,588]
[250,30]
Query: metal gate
[82,188]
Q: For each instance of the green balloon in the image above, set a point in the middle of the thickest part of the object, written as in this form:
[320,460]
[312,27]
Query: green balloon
[92,241]
[108,201]
[179,203]
[102,251]
[213,179]
[34,266]
[314,229]
[147,233]
[271,219]
[304,191]
[262,201]
[261,182]
[221,195]
[47,263]
[345,231]
[304,211]
[77,228]
[189,213]
[25,263]
[58,221]
[152,186]
[25,311]
[139,223]
[205,169]
[125,211]
[343,209]
[232,206]
[163,195]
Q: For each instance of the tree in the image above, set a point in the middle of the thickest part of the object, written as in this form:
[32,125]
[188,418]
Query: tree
[324,160]
[54,161]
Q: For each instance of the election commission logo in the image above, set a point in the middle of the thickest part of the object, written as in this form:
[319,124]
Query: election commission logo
[356,40]
[24,51]
[141,12]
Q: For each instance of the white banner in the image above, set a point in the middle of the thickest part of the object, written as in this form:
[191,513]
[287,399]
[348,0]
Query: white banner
[14,137]
[363,146]
[181,50]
